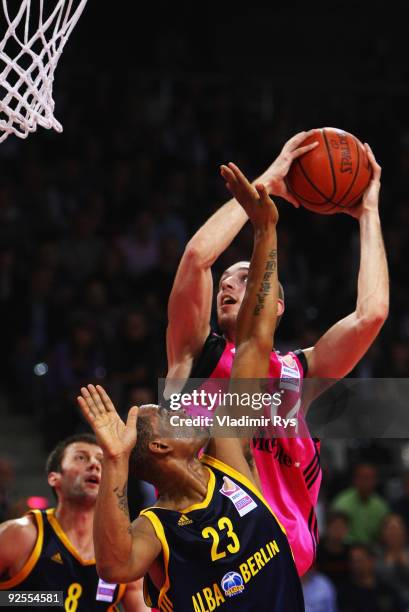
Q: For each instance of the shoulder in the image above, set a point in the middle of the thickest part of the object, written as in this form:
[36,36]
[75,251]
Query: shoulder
[344,498]
[379,503]
[302,358]
[293,360]
[18,538]
[22,530]
[147,526]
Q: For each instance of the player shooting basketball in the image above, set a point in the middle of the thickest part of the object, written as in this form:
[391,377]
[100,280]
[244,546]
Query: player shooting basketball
[289,469]
[53,549]
[211,539]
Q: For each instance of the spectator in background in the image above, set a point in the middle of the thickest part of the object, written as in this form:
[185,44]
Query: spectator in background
[319,592]
[97,308]
[393,565]
[112,273]
[79,357]
[81,252]
[332,552]
[140,245]
[401,506]
[364,507]
[36,310]
[133,356]
[365,591]
[6,483]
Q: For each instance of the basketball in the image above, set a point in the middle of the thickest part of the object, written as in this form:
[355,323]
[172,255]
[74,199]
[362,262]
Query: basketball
[333,176]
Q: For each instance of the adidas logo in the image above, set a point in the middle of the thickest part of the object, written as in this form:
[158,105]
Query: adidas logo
[184,520]
[57,558]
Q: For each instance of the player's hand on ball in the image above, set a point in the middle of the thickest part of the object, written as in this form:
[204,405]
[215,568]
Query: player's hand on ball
[114,436]
[274,177]
[254,199]
[370,199]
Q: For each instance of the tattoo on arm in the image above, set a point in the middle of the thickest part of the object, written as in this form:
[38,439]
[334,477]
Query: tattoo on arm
[265,287]
[122,496]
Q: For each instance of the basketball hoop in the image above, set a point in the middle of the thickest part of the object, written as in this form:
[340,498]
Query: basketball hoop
[29,53]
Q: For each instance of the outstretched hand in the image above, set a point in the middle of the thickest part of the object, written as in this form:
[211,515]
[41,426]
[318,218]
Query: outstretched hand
[254,199]
[113,435]
[273,177]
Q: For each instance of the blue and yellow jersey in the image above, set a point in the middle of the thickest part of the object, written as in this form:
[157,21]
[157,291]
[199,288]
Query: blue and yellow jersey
[227,552]
[55,565]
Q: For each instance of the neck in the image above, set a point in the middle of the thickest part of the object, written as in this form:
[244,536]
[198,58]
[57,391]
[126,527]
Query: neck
[366,581]
[77,523]
[334,545]
[230,333]
[183,482]
[364,496]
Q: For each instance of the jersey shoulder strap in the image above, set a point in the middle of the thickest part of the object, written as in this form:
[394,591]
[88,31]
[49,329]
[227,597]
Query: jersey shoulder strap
[230,471]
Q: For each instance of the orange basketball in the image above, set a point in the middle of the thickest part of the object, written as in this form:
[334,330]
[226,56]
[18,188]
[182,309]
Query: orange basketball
[333,176]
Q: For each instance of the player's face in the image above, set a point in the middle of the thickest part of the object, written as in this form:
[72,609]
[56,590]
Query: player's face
[185,440]
[365,480]
[189,438]
[338,529]
[81,472]
[232,287]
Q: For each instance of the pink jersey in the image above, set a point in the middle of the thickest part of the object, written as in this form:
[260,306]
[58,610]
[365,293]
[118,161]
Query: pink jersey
[289,468]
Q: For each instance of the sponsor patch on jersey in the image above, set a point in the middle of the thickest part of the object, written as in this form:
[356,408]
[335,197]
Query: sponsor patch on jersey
[105,591]
[240,499]
[289,361]
[232,584]
[184,520]
[57,558]
[290,377]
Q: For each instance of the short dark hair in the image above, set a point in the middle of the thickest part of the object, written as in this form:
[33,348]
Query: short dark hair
[338,515]
[365,547]
[363,464]
[54,459]
[139,464]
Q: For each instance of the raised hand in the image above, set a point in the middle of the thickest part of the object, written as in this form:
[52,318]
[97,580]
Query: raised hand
[255,200]
[273,177]
[370,199]
[113,435]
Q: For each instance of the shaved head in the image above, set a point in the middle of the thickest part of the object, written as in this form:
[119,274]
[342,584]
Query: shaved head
[231,290]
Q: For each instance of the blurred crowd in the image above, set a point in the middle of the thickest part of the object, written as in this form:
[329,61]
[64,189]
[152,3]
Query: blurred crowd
[363,555]
[92,227]
[93,224]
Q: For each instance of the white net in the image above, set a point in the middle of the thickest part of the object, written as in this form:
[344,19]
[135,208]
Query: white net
[29,52]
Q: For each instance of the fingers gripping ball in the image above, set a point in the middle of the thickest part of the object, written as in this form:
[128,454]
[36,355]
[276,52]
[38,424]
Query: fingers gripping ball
[333,176]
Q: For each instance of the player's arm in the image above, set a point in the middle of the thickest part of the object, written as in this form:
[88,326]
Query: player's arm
[133,600]
[339,350]
[124,552]
[190,301]
[17,540]
[258,312]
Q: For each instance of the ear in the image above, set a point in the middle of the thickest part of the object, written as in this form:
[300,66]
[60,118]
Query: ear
[160,447]
[54,479]
[280,307]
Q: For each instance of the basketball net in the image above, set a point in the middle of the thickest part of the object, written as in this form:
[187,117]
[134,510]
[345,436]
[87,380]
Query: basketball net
[29,54]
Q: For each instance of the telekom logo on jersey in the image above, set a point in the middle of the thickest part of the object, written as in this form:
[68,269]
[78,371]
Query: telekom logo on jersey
[240,499]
